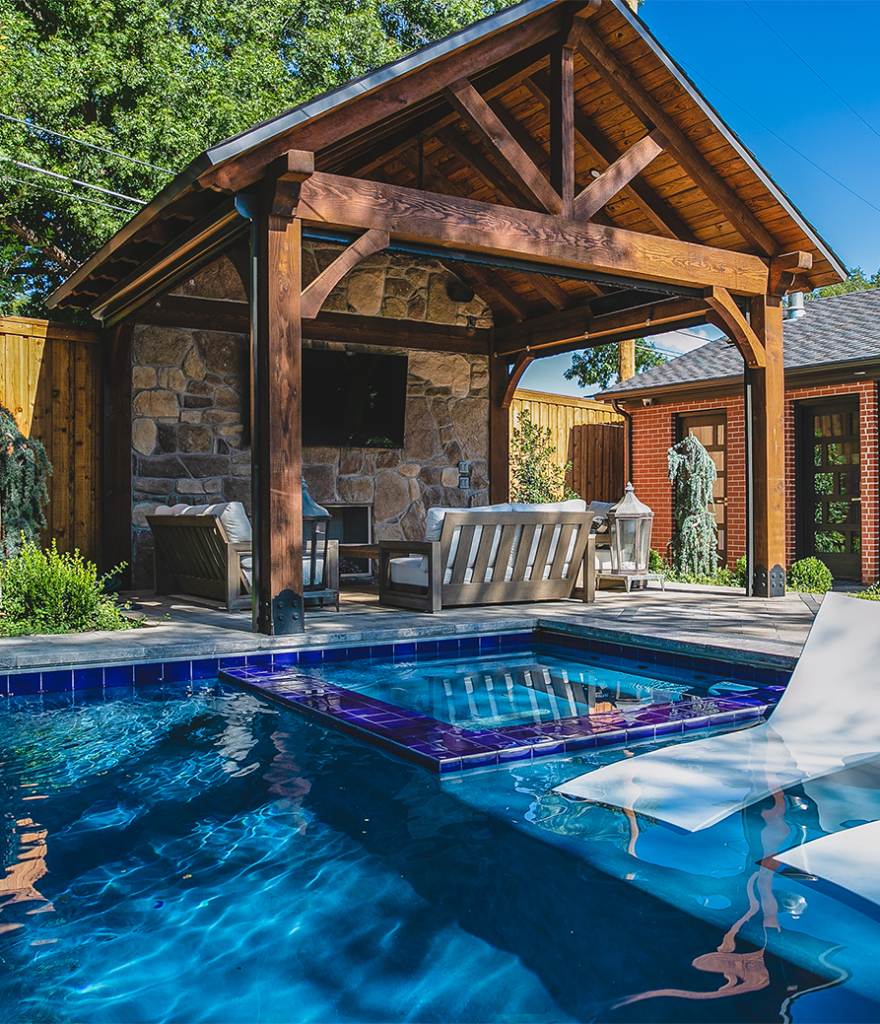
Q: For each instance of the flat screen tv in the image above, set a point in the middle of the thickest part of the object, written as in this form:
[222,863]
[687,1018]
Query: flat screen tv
[353,401]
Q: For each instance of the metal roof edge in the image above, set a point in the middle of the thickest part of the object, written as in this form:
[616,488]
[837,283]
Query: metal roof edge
[732,138]
[173,190]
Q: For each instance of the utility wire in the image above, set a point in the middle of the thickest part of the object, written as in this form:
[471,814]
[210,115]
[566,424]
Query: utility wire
[71,195]
[75,181]
[79,142]
[803,156]
[810,68]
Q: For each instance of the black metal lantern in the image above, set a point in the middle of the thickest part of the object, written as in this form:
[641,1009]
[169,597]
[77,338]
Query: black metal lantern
[630,523]
[316,537]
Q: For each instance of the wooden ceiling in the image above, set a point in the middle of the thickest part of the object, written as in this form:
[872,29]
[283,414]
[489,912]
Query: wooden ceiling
[417,128]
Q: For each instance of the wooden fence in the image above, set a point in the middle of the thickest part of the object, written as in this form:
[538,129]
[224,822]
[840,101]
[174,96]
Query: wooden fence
[586,433]
[50,379]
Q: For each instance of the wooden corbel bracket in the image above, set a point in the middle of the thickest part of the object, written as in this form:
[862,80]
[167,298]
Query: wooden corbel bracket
[514,375]
[787,273]
[314,296]
[727,316]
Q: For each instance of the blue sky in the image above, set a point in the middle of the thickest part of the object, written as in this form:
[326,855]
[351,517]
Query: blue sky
[781,99]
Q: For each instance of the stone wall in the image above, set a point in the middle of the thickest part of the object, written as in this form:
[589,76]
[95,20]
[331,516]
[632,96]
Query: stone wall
[190,407]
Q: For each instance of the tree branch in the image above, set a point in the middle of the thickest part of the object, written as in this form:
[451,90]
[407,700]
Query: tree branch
[49,249]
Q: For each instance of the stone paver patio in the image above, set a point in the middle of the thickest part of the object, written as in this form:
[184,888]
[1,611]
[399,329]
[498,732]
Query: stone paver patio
[772,631]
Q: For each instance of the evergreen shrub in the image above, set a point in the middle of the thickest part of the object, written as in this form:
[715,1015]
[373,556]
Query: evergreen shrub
[24,469]
[809,576]
[49,592]
[535,477]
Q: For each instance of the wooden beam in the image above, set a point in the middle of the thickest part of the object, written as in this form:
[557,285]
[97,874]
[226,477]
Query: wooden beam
[314,296]
[378,330]
[385,100]
[522,363]
[579,327]
[486,124]
[499,432]
[331,201]
[276,404]
[602,189]
[624,84]
[562,122]
[505,191]
[604,153]
[203,314]
[768,452]
[786,271]
[117,468]
[728,317]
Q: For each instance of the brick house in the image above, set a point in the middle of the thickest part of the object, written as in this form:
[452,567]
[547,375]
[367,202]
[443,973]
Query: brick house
[832,368]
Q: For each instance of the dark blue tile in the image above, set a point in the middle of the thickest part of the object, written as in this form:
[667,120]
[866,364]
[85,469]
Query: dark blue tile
[448,765]
[310,657]
[638,732]
[471,644]
[612,650]
[259,661]
[27,682]
[205,668]
[382,652]
[335,654]
[357,653]
[403,652]
[510,754]
[490,643]
[426,649]
[57,680]
[479,760]
[238,661]
[119,675]
[177,672]
[146,672]
[548,747]
[580,743]
[506,639]
[285,658]
[447,647]
[88,678]
[697,722]
[4,686]
[670,728]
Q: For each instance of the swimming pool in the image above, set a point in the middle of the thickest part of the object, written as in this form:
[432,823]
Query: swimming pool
[191,852]
[461,704]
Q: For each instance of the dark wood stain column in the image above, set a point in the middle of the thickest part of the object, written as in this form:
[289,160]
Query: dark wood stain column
[768,451]
[117,461]
[499,431]
[277,420]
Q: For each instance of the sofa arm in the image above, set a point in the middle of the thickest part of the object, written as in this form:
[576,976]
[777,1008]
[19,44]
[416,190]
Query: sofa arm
[390,594]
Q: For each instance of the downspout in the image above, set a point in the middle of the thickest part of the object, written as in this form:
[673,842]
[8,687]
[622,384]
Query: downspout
[628,443]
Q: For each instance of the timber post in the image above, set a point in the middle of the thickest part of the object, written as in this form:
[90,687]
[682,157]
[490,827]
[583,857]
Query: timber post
[277,423]
[768,451]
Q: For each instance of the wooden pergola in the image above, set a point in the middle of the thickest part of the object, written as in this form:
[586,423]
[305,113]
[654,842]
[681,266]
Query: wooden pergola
[556,159]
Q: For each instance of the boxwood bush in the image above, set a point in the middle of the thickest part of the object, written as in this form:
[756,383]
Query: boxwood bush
[49,592]
[809,576]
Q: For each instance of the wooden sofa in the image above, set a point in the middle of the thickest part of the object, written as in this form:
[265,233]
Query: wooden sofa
[486,556]
[207,552]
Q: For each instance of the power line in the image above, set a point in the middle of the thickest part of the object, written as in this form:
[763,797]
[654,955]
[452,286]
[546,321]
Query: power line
[803,156]
[76,181]
[79,142]
[809,67]
[71,195]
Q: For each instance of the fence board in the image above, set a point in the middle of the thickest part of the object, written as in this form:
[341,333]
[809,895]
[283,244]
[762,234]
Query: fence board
[50,380]
[588,434]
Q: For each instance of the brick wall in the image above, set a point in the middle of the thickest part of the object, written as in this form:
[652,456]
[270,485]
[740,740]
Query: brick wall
[654,430]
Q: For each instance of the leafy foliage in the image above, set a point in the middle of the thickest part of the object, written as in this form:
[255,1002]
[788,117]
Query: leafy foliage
[48,592]
[599,365]
[722,577]
[535,477]
[856,282]
[693,548]
[871,593]
[24,469]
[809,576]
[160,82]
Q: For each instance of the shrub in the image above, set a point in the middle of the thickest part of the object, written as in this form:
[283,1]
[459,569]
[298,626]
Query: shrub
[24,469]
[535,477]
[871,593]
[693,549]
[48,592]
[655,562]
[809,576]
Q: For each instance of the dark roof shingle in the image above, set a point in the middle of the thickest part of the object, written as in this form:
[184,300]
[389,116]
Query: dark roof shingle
[839,329]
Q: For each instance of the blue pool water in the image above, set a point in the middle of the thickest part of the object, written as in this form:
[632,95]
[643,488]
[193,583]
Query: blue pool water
[523,687]
[198,854]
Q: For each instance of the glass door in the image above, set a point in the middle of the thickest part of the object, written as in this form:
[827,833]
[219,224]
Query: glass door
[829,487]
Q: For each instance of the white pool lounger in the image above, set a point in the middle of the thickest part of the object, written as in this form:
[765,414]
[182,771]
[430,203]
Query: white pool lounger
[848,859]
[828,719]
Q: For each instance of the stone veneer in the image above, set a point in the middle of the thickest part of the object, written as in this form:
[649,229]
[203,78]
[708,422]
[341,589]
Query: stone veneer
[190,407]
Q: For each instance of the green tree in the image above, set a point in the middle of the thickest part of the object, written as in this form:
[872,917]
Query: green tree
[599,365]
[535,476]
[856,282]
[160,82]
[693,548]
